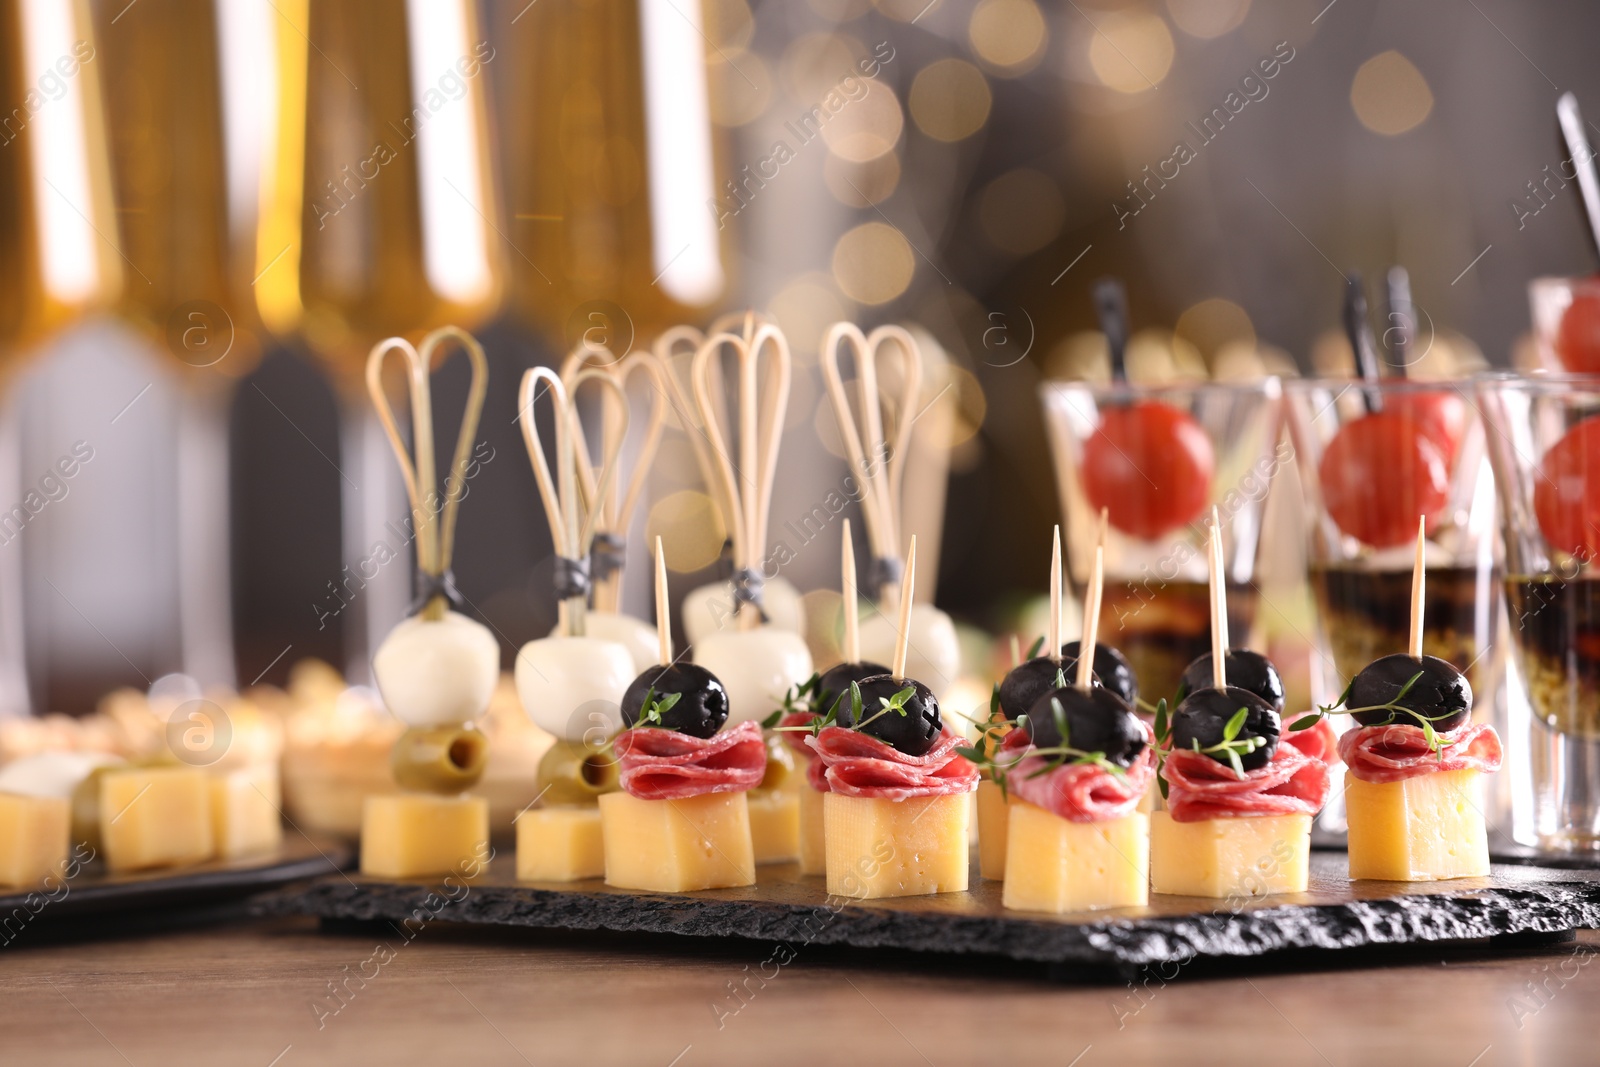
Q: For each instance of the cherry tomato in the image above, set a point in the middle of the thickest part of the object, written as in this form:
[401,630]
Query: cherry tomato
[1441,415]
[1566,498]
[1578,337]
[1378,474]
[1149,464]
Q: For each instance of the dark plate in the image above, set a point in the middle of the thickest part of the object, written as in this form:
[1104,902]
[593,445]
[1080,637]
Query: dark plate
[1335,914]
[96,890]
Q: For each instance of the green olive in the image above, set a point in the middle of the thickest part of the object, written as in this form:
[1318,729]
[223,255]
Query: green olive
[439,759]
[780,763]
[574,772]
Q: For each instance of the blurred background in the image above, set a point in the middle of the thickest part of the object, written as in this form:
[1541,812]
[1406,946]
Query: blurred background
[211,209]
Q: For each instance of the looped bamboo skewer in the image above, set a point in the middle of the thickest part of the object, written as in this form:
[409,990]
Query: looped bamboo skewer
[760,409]
[848,598]
[571,524]
[435,520]
[865,440]
[615,510]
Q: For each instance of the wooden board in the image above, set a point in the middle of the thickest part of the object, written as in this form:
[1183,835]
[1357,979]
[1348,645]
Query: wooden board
[1335,914]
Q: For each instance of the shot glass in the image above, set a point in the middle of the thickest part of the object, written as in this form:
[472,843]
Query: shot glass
[1566,323]
[1158,459]
[1544,442]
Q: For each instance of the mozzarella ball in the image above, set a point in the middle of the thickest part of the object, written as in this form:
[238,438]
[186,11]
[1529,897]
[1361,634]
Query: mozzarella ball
[756,667]
[635,635]
[933,656]
[573,686]
[51,774]
[436,672]
[710,608]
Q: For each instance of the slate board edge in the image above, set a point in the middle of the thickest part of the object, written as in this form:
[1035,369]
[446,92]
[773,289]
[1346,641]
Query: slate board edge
[1422,918]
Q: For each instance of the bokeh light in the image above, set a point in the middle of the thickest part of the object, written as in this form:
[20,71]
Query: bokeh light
[1131,51]
[814,64]
[740,88]
[804,309]
[1390,95]
[862,184]
[873,263]
[690,528]
[1021,211]
[1208,18]
[867,124]
[1213,323]
[1009,35]
[950,99]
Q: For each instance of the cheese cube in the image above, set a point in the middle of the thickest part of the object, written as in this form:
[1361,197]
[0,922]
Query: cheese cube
[560,844]
[896,848]
[813,847]
[1056,865]
[412,835]
[993,818]
[774,825]
[674,846]
[1417,830]
[244,811]
[155,817]
[1242,857]
[33,838]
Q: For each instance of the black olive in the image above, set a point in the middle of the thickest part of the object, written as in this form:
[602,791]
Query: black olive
[701,708]
[913,732]
[1246,670]
[1096,720]
[1204,715]
[835,683]
[1441,695]
[1110,669]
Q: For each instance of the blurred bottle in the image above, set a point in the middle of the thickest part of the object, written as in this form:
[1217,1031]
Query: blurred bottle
[57,256]
[609,169]
[375,222]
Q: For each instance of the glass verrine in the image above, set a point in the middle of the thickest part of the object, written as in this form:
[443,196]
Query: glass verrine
[1544,442]
[1373,458]
[1158,458]
[1566,323]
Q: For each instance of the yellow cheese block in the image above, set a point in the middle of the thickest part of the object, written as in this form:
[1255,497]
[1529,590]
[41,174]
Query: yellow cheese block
[560,844]
[1244,857]
[775,825]
[33,838]
[813,849]
[896,848]
[1418,830]
[674,846]
[155,817]
[412,835]
[1056,865]
[244,811]
[993,820]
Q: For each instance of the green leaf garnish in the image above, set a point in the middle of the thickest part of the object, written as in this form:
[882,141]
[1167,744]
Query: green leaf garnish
[1033,649]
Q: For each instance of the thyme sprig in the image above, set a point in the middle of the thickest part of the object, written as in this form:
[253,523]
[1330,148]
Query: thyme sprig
[895,704]
[800,697]
[1232,745]
[1436,741]
[652,712]
[988,757]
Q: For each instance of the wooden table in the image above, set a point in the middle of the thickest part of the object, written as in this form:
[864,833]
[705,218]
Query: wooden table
[248,993]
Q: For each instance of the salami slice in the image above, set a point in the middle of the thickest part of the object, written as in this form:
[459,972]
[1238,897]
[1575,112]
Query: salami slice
[1396,752]
[1318,742]
[657,764]
[1200,788]
[1083,792]
[855,764]
[795,739]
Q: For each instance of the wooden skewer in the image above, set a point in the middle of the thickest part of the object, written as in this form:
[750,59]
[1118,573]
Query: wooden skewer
[1219,607]
[847,587]
[908,586]
[1016,651]
[1091,619]
[663,609]
[1052,626]
[1418,582]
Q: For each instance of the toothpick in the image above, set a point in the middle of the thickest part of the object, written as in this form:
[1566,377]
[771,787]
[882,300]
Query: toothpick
[847,587]
[1219,606]
[1418,581]
[663,612]
[1091,619]
[908,586]
[1016,651]
[1052,626]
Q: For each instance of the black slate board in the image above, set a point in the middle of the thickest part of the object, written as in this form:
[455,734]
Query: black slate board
[1335,914]
[97,891]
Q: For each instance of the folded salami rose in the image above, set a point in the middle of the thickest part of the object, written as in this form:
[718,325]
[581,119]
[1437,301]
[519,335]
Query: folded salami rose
[855,764]
[1294,782]
[796,739]
[1396,752]
[657,764]
[1318,742]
